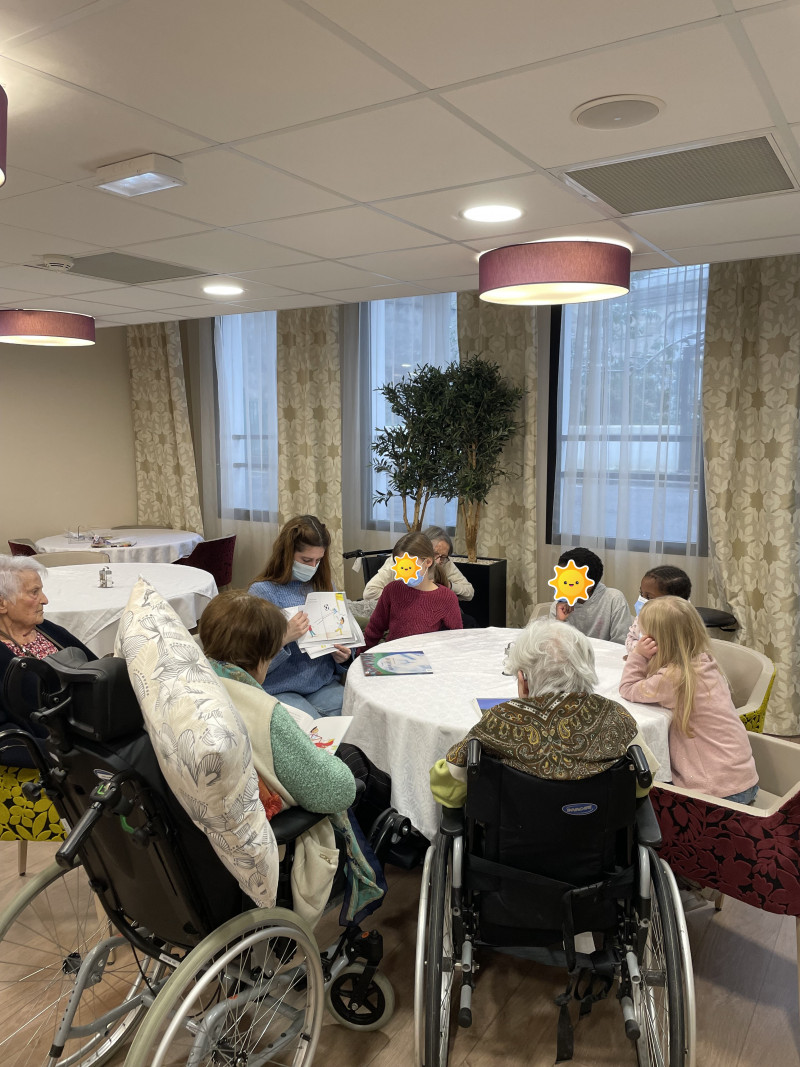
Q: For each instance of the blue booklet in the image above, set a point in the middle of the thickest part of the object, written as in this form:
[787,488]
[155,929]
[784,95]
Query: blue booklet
[375,663]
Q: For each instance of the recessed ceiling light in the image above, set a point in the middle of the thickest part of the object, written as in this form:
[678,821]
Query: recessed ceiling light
[217,289]
[491,213]
[145,174]
[617,112]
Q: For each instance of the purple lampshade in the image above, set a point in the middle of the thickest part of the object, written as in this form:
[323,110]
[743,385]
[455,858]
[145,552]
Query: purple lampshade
[554,272]
[57,328]
[3,133]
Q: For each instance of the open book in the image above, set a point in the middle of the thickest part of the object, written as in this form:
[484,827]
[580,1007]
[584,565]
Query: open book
[331,623]
[327,732]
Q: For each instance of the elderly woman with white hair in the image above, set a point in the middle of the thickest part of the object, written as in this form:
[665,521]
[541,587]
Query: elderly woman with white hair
[24,632]
[557,728]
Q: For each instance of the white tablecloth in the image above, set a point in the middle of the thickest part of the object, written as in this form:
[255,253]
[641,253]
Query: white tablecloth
[404,724]
[92,614]
[152,546]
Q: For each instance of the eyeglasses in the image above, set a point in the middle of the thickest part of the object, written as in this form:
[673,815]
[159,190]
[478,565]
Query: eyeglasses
[440,559]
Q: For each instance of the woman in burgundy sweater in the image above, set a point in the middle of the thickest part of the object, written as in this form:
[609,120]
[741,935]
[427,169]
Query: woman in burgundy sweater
[419,601]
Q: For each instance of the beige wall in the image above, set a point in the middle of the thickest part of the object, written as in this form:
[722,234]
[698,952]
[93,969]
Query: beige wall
[66,438]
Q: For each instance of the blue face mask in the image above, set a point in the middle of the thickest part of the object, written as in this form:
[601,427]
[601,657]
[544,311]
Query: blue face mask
[640,603]
[301,572]
[419,579]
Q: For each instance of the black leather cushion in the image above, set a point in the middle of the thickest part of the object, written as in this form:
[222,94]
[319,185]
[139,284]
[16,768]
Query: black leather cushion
[723,620]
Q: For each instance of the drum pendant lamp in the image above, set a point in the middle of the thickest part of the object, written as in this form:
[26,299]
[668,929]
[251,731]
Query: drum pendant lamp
[554,272]
[3,133]
[51,328]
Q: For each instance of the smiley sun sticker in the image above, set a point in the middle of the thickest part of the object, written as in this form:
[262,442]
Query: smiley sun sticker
[406,567]
[571,583]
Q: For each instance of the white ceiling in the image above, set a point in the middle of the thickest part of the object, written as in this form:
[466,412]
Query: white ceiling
[330,145]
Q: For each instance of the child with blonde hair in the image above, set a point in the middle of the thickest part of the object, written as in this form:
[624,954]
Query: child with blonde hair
[672,665]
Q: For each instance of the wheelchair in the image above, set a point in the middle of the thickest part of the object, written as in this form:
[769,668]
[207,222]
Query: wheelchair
[525,867]
[138,928]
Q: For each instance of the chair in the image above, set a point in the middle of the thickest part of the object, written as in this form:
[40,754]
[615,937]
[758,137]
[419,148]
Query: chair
[541,610]
[265,978]
[71,559]
[22,819]
[215,556]
[527,866]
[371,560]
[22,547]
[750,675]
[749,853]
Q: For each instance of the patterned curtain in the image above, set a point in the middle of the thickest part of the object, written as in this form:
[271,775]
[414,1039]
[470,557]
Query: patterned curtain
[166,475]
[507,336]
[310,421]
[751,399]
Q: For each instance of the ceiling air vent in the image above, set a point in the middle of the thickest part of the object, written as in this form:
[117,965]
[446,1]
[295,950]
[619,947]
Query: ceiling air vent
[130,270]
[692,176]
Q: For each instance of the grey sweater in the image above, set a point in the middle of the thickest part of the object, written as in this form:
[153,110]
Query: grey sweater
[604,615]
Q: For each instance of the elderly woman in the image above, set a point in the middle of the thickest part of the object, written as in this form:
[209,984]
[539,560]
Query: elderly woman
[24,632]
[558,728]
[442,548]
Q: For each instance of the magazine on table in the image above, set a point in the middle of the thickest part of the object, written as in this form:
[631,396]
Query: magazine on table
[394,663]
[330,623]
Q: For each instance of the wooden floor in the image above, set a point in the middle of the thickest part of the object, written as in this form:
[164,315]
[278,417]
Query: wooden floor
[745,972]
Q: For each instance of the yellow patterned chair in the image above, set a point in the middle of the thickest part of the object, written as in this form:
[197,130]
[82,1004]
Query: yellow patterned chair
[25,820]
[750,675]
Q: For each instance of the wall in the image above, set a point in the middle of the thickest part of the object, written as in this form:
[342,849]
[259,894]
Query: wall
[66,438]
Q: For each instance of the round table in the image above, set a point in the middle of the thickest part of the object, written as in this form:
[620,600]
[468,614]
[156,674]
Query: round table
[92,614]
[152,546]
[405,723]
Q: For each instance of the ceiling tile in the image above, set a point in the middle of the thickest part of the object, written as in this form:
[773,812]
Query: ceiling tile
[22,246]
[531,111]
[709,224]
[20,181]
[218,252]
[392,151]
[137,296]
[543,200]
[135,318]
[348,231]
[226,189]
[50,282]
[65,132]
[101,218]
[21,16]
[733,251]
[654,261]
[397,291]
[316,277]
[775,35]
[453,284]
[420,263]
[226,73]
[434,43]
[81,306]
[599,230]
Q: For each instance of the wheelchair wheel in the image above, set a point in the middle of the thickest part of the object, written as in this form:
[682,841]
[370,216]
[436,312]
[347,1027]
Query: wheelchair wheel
[687,971]
[440,956]
[45,935]
[659,998]
[419,961]
[249,993]
[373,1012]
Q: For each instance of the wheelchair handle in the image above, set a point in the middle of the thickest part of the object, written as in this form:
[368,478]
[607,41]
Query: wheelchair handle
[644,775]
[107,796]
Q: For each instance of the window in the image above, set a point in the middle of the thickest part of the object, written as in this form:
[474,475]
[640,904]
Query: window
[626,457]
[245,349]
[396,337]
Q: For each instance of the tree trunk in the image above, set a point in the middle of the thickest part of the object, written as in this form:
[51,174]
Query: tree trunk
[470,511]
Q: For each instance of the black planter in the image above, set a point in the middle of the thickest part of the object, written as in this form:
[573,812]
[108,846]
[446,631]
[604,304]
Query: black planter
[488,578]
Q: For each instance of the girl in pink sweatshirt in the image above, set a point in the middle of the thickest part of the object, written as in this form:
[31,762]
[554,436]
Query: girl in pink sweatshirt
[672,665]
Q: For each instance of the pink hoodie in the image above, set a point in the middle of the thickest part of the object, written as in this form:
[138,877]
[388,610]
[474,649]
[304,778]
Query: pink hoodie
[718,759]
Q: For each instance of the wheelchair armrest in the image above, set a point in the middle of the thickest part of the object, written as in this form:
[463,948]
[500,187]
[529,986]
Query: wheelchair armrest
[644,775]
[289,824]
[648,831]
[451,822]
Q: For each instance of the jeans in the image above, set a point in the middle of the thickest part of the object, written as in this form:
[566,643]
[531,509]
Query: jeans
[326,701]
[747,796]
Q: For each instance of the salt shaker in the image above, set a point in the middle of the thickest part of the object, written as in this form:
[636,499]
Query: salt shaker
[106,581]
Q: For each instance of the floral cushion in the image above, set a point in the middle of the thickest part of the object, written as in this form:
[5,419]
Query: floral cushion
[23,819]
[752,858]
[200,741]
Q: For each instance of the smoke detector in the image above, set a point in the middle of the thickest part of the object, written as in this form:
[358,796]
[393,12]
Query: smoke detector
[60,264]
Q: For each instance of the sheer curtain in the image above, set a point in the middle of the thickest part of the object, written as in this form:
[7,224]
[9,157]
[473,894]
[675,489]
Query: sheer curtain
[397,337]
[234,415]
[629,459]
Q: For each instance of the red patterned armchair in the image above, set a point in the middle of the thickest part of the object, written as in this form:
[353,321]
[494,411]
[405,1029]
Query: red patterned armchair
[749,853]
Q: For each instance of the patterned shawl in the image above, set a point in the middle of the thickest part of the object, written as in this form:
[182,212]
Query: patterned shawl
[562,736]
